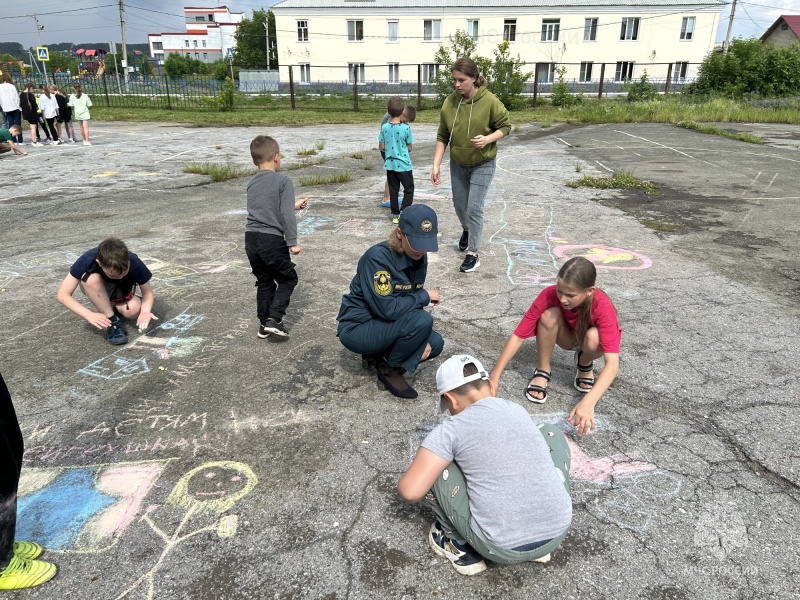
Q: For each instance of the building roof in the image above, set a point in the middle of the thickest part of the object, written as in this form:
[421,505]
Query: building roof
[793,21]
[454,4]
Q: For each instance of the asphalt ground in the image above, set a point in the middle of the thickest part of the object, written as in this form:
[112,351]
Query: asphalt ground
[199,461]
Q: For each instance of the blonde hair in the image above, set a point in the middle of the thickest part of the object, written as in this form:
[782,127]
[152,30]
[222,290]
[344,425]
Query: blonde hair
[396,243]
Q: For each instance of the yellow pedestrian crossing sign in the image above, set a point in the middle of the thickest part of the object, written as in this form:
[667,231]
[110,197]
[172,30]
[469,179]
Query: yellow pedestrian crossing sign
[42,53]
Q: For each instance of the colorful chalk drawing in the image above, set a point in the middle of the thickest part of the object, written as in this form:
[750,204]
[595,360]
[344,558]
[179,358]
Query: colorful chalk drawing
[175,280]
[620,489]
[118,365]
[310,225]
[48,259]
[214,488]
[605,257]
[530,261]
[362,226]
[86,508]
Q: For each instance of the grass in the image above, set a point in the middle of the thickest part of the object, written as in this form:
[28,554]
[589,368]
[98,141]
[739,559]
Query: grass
[659,225]
[621,180]
[320,146]
[713,130]
[367,167]
[323,180]
[307,163]
[670,109]
[218,172]
[306,152]
[358,155]
[578,168]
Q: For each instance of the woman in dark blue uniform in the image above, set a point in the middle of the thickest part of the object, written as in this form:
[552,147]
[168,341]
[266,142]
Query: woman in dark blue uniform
[382,317]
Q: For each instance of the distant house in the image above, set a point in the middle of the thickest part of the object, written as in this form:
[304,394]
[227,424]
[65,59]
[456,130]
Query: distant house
[783,32]
[388,40]
[209,33]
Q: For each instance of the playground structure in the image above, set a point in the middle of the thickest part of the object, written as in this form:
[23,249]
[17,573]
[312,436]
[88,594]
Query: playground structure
[91,62]
[16,68]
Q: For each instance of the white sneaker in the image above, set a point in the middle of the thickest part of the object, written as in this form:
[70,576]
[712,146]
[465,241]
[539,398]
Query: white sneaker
[36,144]
[56,143]
[87,143]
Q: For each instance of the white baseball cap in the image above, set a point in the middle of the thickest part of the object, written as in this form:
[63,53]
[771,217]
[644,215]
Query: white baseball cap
[451,375]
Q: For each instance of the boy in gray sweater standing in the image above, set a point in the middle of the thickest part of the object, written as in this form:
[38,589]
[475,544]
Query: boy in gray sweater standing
[271,235]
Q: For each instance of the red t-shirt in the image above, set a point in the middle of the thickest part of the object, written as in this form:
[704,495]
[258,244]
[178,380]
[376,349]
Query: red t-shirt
[603,316]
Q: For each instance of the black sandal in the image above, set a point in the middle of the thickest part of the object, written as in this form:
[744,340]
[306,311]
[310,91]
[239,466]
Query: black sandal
[537,388]
[583,369]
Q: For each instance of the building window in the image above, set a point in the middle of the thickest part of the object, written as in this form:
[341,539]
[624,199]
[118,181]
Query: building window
[195,43]
[630,29]
[351,67]
[305,72]
[302,30]
[550,29]
[679,72]
[187,43]
[545,72]
[197,56]
[392,31]
[432,30]
[472,29]
[159,57]
[429,72]
[355,31]
[200,19]
[586,71]
[205,56]
[510,30]
[158,45]
[204,43]
[624,71]
[687,28]
[590,30]
[394,72]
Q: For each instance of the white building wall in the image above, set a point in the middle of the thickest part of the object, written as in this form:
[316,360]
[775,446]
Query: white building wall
[206,40]
[328,49]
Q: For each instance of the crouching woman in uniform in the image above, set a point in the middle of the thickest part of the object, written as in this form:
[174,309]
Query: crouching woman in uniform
[382,317]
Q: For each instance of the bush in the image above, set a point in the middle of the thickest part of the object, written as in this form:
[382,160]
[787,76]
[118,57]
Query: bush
[506,79]
[561,95]
[642,90]
[227,95]
[178,66]
[750,68]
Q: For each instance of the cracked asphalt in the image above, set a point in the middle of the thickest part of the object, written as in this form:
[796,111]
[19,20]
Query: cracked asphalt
[201,462]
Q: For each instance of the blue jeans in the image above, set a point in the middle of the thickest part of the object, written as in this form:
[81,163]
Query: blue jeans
[470,185]
[14,117]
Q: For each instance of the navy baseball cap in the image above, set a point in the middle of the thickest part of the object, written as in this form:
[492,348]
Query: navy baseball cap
[420,225]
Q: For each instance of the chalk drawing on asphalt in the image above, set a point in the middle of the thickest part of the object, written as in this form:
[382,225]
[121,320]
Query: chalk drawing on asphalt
[84,508]
[530,261]
[210,489]
[310,225]
[605,257]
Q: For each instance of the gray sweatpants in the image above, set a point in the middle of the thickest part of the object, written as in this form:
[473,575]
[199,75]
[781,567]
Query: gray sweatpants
[470,184]
[453,513]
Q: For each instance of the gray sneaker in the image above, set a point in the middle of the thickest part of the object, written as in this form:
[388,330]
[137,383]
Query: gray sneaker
[276,327]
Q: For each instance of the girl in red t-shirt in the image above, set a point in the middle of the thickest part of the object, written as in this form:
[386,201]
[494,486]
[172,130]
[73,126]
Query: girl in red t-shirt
[576,316]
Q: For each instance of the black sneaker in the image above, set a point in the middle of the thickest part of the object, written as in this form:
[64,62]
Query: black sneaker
[463,556]
[470,263]
[464,241]
[262,332]
[116,332]
[276,327]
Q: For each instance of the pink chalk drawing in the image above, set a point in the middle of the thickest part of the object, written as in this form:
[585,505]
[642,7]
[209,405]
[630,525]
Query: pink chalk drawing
[601,470]
[605,257]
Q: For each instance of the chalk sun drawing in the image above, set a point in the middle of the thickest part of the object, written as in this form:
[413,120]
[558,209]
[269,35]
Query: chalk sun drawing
[85,508]
[605,257]
[213,487]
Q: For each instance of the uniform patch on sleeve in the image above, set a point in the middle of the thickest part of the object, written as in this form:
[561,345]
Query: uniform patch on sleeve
[382,280]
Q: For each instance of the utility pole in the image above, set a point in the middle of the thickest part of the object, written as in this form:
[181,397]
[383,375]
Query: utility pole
[266,30]
[730,26]
[124,48]
[39,37]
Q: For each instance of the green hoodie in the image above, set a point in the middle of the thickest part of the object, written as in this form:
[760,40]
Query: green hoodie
[461,120]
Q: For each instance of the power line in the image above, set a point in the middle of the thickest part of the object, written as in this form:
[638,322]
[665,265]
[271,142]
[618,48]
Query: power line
[59,12]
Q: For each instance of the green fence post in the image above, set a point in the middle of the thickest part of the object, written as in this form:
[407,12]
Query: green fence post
[105,89]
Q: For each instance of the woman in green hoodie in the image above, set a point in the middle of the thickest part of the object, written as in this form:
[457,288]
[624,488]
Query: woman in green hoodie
[472,135]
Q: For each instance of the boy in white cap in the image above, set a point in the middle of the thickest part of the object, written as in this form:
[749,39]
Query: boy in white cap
[500,484]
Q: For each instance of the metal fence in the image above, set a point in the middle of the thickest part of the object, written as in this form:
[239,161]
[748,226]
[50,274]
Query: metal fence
[300,91]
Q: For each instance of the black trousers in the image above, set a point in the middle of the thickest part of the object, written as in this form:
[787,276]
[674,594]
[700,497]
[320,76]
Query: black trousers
[274,271]
[11,450]
[395,179]
[52,127]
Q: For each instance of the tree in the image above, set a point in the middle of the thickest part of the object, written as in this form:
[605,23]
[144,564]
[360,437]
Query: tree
[461,44]
[251,42]
[178,66]
[506,79]
[62,60]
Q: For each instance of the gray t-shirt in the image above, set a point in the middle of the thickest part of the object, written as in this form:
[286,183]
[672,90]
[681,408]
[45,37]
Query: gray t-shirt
[270,205]
[516,495]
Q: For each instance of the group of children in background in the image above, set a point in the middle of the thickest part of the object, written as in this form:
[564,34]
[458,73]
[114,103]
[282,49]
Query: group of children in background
[50,115]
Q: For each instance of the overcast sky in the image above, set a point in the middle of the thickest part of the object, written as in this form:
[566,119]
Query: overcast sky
[87,20]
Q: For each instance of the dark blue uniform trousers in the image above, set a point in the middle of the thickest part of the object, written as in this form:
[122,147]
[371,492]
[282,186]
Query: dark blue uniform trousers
[402,341]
